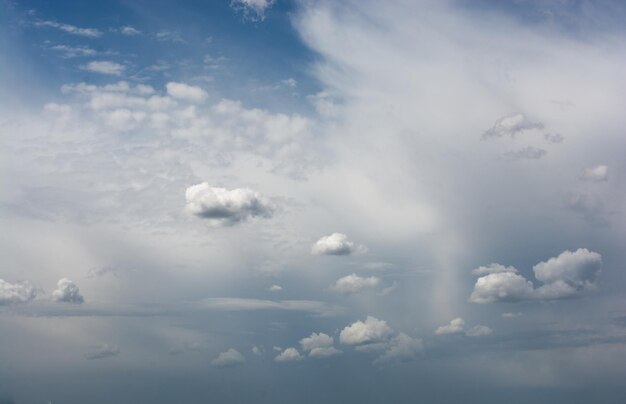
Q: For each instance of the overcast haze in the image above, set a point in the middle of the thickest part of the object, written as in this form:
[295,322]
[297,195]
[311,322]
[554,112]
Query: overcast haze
[280,201]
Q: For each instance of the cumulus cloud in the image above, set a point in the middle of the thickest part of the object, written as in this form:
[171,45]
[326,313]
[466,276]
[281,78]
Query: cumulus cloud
[567,275]
[336,244]
[186,92]
[289,355]
[454,327]
[510,126]
[70,29]
[319,345]
[275,288]
[223,207]
[597,174]
[105,67]
[493,268]
[13,293]
[130,31]
[229,358]
[354,284]
[102,351]
[67,292]
[401,348]
[371,331]
[253,10]
[478,331]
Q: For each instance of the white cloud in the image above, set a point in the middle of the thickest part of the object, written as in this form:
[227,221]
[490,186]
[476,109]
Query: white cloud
[253,10]
[336,244]
[597,174]
[568,275]
[71,29]
[19,292]
[128,30]
[275,288]
[316,340]
[186,92]
[289,355]
[511,314]
[401,348]
[229,358]
[102,351]
[493,268]
[223,207]
[371,331]
[105,67]
[74,51]
[577,269]
[354,284]
[510,126]
[479,331]
[455,327]
[67,292]
[504,286]
[324,352]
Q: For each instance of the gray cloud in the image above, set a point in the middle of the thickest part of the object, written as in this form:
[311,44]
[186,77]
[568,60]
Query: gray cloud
[511,126]
[229,358]
[597,173]
[102,351]
[13,293]
[223,207]
[527,153]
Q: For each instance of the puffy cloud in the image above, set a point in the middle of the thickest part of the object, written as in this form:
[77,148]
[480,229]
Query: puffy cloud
[597,174]
[401,348]
[105,67]
[253,10]
[70,29]
[454,327]
[478,331]
[74,51]
[67,292]
[128,30]
[186,92]
[324,352]
[493,268]
[103,351]
[354,284]
[19,292]
[510,126]
[319,345]
[371,331]
[504,286]
[577,269]
[229,358]
[223,207]
[289,355]
[567,275]
[275,288]
[336,244]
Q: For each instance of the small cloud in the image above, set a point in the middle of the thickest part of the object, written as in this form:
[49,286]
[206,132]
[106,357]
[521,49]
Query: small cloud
[74,51]
[553,137]
[353,284]
[70,29]
[511,126]
[289,355]
[257,351]
[401,348]
[67,292]
[371,331]
[105,67]
[598,173]
[478,331]
[275,288]
[389,289]
[336,244]
[527,153]
[253,10]
[128,30]
[511,315]
[290,82]
[14,293]
[186,92]
[103,351]
[230,358]
[454,327]
[223,207]
[170,36]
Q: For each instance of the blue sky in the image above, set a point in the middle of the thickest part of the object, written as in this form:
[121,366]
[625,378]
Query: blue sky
[312,201]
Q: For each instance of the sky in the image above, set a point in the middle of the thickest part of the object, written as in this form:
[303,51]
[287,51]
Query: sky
[312,201]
